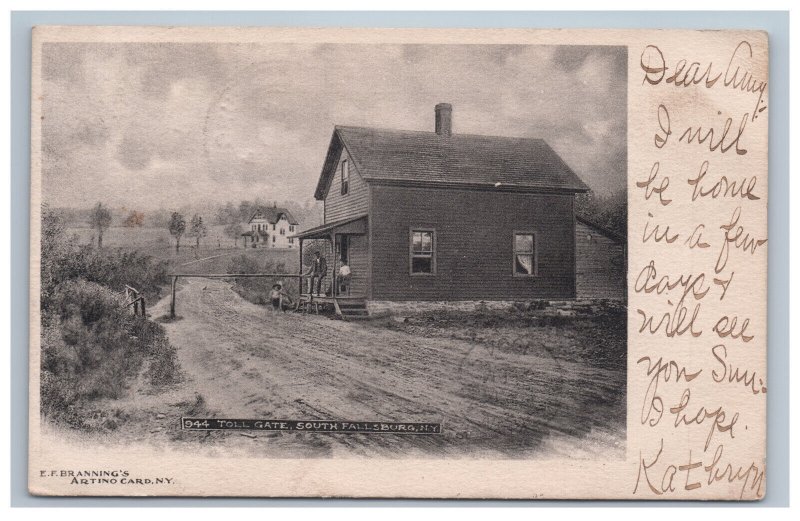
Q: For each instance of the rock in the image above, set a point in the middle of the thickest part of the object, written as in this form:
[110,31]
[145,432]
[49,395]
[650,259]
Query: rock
[400,320]
[160,416]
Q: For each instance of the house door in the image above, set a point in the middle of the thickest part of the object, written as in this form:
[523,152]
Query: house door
[342,258]
[343,249]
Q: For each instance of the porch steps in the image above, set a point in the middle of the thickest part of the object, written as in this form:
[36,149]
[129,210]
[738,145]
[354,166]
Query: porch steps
[351,309]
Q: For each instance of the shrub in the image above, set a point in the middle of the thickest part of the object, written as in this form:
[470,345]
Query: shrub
[92,346]
[62,259]
[256,289]
[164,367]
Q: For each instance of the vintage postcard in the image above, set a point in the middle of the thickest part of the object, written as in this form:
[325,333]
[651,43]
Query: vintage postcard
[398,263]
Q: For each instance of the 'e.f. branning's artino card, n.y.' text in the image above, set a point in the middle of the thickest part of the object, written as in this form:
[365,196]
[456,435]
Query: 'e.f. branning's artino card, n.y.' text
[398,263]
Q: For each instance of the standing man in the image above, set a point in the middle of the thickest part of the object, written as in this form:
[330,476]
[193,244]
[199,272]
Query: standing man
[319,270]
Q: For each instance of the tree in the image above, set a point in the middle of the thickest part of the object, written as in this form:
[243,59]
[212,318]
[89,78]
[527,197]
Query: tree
[177,225]
[609,211]
[198,230]
[100,220]
[234,231]
[134,219]
[246,210]
[227,214]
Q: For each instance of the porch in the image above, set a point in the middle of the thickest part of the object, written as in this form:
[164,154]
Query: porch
[345,244]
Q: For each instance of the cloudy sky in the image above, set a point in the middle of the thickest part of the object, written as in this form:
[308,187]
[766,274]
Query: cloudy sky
[165,125]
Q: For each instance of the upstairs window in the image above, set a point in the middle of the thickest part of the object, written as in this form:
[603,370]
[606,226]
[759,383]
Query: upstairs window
[345,177]
[273,227]
[291,227]
[423,252]
[283,231]
[525,254]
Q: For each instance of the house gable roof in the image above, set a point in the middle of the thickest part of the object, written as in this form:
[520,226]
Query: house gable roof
[272,215]
[427,158]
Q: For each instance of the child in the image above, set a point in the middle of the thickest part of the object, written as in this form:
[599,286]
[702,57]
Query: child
[344,279]
[276,297]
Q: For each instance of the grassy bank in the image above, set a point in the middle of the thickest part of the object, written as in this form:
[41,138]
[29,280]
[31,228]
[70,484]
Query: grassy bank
[93,346]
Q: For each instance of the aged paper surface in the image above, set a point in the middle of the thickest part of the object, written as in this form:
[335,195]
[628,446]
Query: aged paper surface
[398,263]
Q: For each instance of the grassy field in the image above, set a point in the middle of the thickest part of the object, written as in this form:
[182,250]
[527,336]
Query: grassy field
[213,256]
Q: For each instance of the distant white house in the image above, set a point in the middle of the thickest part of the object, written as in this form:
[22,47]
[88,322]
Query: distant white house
[270,227]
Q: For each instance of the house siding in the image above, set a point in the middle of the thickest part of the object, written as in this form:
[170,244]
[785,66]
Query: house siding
[354,202]
[600,268]
[474,243]
[358,264]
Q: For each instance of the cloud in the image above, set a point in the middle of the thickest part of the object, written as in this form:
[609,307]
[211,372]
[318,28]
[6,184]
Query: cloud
[148,125]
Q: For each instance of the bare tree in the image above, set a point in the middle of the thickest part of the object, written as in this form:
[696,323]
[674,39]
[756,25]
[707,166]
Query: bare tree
[100,220]
[177,225]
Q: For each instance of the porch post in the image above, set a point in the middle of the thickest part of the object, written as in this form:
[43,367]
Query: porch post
[333,273]
[300,278]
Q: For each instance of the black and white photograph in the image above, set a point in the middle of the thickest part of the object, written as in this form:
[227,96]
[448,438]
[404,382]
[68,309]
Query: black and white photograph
[335,250]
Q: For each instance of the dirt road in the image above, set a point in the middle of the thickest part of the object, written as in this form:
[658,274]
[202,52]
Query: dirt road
[247,362]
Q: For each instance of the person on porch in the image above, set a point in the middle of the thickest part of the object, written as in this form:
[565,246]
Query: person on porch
[344,279]
[319,270]
[308,272]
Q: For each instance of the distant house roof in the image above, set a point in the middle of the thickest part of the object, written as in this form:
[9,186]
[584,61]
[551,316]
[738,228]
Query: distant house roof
[272,214]
[427,158]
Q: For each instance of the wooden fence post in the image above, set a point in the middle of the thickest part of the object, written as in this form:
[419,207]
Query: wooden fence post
[172,303]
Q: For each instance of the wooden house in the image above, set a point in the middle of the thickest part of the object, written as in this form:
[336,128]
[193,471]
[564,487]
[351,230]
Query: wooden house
[440,216]
[272,227]
[601,259]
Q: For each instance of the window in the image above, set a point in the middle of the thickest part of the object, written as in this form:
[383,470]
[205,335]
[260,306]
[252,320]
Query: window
[291,240]
[423,258]
[273,238]
[291,227]
[283,231]
[524,254]
[345,177]
[273,227]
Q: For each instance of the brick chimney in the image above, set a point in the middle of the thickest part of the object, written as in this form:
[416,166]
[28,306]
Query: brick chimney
[444,119]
